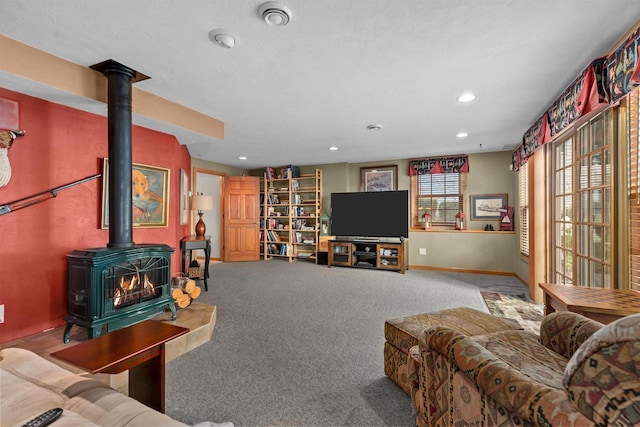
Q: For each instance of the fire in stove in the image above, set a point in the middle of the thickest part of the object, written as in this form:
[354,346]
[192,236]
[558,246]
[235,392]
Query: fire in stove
[133,290]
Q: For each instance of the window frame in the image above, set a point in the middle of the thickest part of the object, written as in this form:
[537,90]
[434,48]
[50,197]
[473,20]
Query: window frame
[417,221]
[523,207]
[585,255]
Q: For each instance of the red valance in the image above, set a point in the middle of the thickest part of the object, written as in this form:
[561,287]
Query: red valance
[436,165]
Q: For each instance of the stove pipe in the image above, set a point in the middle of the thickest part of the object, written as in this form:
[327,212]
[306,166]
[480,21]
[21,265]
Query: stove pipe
[120,79]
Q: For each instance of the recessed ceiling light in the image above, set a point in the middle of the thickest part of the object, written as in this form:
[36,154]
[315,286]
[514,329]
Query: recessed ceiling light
[242,158]
[275,13]
[333,148]
[374,127]
[462,135]
[466,97]
[223,38]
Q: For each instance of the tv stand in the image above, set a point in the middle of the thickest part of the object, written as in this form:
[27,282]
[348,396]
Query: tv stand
[368,254]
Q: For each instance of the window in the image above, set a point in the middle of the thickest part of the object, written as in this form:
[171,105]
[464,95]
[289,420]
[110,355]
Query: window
[439,194]
[523,197]
[582,205]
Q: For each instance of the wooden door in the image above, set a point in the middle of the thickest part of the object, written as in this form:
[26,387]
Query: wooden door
[241,218]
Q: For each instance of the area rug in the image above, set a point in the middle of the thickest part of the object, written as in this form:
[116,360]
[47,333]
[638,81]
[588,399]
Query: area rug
[517,307]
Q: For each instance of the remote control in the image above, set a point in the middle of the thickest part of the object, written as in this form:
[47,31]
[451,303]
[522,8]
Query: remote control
[45,418]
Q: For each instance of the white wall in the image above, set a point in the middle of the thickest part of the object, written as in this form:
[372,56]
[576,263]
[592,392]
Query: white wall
[209,185]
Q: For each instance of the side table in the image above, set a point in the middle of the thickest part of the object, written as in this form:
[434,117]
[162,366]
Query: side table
[191,243]
[138,348]
[601,305]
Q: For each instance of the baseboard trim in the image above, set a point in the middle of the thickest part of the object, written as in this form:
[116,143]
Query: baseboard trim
[463,270]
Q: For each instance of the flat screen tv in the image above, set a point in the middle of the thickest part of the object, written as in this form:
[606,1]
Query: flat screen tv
[370,214]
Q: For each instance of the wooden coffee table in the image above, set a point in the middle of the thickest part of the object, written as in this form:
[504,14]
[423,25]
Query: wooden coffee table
[138,348]
[602,305]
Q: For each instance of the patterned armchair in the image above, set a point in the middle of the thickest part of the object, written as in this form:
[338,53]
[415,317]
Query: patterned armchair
[577,372]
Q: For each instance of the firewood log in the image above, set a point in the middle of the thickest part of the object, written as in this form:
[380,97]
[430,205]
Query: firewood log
[195,293]
[184,301]
[176,293]
[189,286]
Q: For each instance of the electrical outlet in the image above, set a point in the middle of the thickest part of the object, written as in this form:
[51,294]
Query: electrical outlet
[423,251]
[1,313]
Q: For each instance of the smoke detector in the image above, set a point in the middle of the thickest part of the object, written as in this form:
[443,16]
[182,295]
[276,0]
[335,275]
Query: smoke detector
[275,13]
[223,38]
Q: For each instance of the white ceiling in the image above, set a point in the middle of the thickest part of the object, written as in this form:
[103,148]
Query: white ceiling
[287,94]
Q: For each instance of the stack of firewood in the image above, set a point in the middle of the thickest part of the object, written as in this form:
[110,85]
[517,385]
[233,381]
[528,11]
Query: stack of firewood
[184,291]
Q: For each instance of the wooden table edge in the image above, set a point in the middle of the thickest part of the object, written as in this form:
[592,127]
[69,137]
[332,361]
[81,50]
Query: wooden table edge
[108,367]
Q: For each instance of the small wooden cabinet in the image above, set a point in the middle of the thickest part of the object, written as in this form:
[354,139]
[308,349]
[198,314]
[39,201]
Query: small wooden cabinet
[323,243]
[363,254]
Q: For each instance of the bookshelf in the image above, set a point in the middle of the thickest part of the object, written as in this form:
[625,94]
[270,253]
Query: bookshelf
[290,216]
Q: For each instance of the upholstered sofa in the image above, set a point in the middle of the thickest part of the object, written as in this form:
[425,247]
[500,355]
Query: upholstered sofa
[30,385]
[576,372]
[402,333]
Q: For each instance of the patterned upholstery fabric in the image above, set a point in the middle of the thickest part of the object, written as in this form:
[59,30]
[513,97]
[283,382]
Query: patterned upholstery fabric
[501,378]
[402,333]
[564,334]
[603,376]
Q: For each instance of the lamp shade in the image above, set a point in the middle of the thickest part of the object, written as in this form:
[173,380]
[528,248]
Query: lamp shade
[200,202]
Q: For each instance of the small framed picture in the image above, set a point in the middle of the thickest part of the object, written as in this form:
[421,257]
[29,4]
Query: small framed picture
[184,197]
[486,207]
[379,178]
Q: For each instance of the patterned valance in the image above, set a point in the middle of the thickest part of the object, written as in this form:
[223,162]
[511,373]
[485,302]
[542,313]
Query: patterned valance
[604,81]
[434,165]
[623,68]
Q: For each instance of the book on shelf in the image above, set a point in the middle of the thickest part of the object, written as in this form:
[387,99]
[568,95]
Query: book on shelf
[270,173]
[284,249]
[273,249]
[272,223]
[272,199]
[290,172]
[272,236]
[298,224]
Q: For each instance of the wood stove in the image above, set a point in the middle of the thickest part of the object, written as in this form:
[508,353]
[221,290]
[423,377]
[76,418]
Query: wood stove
[117,287]
[123,283]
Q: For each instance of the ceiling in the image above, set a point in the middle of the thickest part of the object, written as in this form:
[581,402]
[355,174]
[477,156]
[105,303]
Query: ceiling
[286,94]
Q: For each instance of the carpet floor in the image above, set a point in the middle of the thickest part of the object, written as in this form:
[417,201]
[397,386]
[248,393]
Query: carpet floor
[299,344]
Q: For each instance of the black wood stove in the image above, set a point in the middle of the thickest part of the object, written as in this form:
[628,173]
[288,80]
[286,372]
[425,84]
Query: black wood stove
[122,283]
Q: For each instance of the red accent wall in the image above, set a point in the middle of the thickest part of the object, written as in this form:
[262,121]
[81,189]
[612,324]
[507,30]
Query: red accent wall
[62,145]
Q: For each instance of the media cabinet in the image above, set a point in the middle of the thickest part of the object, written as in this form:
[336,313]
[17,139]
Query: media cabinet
[366,254]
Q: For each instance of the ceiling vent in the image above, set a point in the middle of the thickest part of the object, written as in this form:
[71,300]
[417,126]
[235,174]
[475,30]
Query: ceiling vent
[275,13]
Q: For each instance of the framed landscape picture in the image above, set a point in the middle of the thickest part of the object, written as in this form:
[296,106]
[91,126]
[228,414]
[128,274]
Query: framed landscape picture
[486,207]
[379,178]
[150,195]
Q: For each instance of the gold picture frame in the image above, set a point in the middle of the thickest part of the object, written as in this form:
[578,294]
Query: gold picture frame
[379,178]
[150,194]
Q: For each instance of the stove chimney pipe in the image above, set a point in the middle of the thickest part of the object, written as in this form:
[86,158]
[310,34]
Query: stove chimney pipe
[120,79]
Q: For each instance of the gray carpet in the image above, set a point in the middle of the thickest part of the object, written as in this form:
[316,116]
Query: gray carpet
[302,345]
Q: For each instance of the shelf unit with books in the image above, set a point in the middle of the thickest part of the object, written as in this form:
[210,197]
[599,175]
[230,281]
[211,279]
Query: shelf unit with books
[291,205]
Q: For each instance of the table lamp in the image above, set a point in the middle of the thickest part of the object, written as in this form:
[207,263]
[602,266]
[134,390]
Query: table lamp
[200,203]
